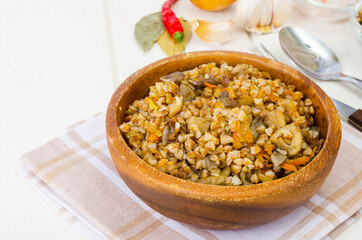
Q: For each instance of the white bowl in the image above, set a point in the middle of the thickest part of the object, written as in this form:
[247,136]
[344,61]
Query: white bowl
[357,27]
[328,11]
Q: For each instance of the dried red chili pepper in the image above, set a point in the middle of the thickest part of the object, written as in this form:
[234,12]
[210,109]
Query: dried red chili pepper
[171,22]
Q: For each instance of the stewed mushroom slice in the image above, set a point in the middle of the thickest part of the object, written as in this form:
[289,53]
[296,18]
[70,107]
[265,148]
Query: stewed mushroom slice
[176,106]
[275,117]
[198,83]
[168,131]
[227,101]
[175,77]
[187,91]
[288,138]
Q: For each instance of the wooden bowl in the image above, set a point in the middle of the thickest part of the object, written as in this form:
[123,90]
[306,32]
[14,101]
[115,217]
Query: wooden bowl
[220,207]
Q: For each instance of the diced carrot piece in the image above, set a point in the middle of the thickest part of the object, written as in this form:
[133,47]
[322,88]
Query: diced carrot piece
[235,127]
[289,92]
[273,97]
[289,167]
[259,156]
[299,161]
[260,93]
[209,85]
[292,106]
[269,165]
[152,137]
[249,137]
[236,136]
[302,160]
[269,148]
[225,89]
[262,155]
[218,104]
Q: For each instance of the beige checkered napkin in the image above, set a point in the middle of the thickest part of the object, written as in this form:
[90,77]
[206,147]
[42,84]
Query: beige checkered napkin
[76,174]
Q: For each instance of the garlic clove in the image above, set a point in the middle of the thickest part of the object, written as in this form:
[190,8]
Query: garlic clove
[266,13]
[263,16]
[248,13]
[255,14]
[210,31]
[281,12]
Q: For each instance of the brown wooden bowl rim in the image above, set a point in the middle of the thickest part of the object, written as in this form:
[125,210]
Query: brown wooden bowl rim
[184,188]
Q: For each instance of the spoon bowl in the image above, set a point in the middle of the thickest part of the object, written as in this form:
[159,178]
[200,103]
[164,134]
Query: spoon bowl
[312,55]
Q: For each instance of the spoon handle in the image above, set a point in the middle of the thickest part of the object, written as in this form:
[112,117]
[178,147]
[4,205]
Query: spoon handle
[355,81]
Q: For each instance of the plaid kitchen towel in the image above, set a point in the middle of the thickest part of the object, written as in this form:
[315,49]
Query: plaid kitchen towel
[76,174]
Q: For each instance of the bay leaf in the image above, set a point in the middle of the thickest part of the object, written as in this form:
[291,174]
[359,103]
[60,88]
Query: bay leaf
[148,30]
[169,45]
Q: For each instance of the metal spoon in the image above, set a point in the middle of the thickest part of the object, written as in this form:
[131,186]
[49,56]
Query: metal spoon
[313,56]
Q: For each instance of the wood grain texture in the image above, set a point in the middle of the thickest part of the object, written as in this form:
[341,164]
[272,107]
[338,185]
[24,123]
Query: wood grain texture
[220,207]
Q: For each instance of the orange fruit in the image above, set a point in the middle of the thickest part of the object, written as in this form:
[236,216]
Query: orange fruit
[212,5]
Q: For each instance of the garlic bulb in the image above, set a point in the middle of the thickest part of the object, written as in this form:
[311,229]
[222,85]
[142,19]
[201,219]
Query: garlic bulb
[263,16]
[209,31]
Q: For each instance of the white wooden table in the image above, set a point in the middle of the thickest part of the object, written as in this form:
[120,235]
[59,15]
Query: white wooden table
[60,61]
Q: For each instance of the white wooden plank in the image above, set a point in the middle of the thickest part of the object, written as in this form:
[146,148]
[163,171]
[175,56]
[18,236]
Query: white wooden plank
[54,70]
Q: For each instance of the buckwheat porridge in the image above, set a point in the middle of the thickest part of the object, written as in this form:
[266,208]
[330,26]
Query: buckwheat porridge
[224,125]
